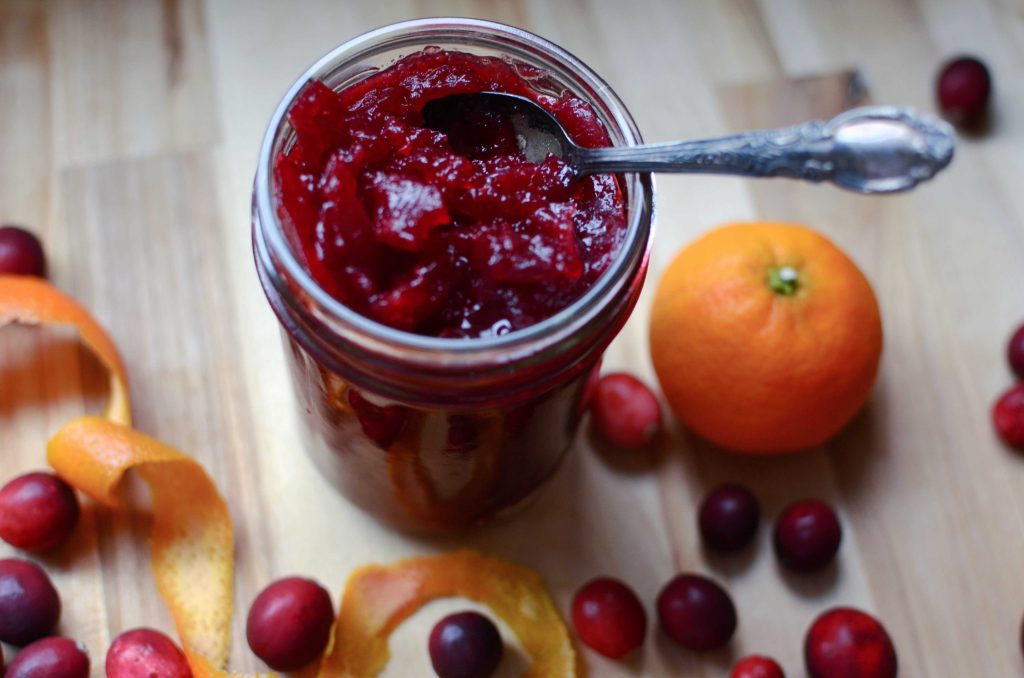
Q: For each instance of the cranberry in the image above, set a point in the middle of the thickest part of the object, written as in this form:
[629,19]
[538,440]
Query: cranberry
[38,512]
[963,90]
[1008,416]
[50,658]
[29,604]
[21,253]
[728,518]
[625,411]
[146,653]
[289,623]
[1015,352]
[757,666]
[465,645]
[848,642]
[807,535]
[609,617]
[696,612]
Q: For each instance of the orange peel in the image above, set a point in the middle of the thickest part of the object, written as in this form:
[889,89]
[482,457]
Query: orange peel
[33,301]
[380,597]
[192,538]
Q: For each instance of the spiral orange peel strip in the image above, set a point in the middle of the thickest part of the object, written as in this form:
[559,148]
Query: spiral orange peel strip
[192,538]
[380,597]
[33,301]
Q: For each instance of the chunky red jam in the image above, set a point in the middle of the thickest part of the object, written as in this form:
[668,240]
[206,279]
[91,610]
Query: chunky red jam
[448,235]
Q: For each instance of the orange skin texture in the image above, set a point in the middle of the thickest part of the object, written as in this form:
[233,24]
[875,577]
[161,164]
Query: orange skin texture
[754,370]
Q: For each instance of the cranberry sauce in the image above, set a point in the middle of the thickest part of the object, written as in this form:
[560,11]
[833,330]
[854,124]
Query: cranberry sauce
[450,236]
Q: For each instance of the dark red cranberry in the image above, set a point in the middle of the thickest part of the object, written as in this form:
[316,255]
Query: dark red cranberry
[963,90]
[21,253]
[625,411]
[729,517]
[848,642]
[1015,352]
[38,512]
[146,653]
[807,535]
[465,645]
[289,623]
[29,604]
[757,666]
[50,658]
[608,617]
[696,612]
[1008,416]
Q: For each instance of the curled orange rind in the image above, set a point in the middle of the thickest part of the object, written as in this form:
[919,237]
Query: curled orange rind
[192,538]
[380,597]
[33,301]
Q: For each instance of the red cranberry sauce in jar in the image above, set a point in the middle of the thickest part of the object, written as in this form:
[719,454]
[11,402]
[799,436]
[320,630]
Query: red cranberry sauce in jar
[449,236]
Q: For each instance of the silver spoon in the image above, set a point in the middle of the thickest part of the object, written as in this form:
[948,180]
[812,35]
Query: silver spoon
[874,149]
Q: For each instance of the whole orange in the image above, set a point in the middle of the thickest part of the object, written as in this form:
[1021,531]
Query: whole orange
[765,337]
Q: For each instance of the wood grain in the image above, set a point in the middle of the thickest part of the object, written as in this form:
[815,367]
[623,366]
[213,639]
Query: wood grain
[129,132]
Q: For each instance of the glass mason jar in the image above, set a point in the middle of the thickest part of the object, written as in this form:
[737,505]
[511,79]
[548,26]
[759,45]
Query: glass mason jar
[432,433]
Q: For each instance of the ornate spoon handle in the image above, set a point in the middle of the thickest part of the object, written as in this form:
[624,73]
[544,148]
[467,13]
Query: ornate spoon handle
[875,149]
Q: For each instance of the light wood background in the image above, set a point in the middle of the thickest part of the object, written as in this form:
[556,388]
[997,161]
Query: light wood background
[128,136]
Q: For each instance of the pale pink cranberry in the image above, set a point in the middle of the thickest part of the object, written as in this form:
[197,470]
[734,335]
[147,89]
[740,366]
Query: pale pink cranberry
[146,653]
[625,411]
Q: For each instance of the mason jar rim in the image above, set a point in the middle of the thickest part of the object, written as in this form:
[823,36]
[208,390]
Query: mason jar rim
[270,234]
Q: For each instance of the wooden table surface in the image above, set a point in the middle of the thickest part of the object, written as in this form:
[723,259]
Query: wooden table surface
[128,138]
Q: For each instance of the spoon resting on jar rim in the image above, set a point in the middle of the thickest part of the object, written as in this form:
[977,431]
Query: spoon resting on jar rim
[873,149]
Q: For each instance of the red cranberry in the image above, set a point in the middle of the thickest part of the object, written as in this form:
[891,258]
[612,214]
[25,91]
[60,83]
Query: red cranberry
[146,653]
[289,623]
[609,617]
[729,517]
[50,658]
[807,535]
[848,642]
[38,512]
[1015,352]
[696,612]
[465,645]
[21,253]
[757,666]
[963,90]
[625,411]
[1008,416]
[29,605]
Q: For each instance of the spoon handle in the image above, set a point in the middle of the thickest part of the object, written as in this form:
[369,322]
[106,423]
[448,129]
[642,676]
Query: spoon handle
[875,149]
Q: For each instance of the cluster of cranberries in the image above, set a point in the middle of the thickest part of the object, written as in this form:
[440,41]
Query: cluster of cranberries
[699,614]
[1008,412]
[38,513]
